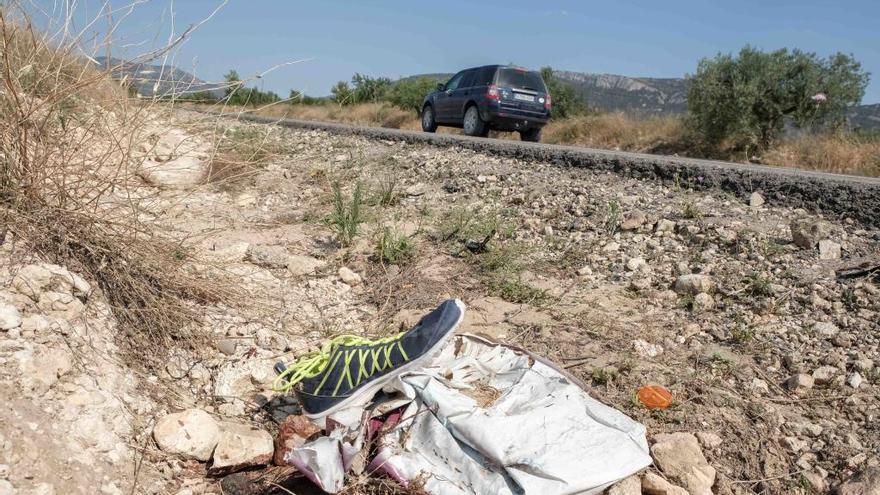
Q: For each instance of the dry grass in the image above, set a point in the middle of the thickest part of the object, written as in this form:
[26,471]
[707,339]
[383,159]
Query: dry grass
[68,187]
[665,135]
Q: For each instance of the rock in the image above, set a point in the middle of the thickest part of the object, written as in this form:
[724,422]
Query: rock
[192,433]
[829,250]
[633,221]
[626,486]
[708,439]
[799,383]
[654,484]
[294,432]
[585,271]
[32,280]
[610,247]
[703,302]
[9,316]
[679,456]
[854,380]
[299,265]
[866,482]
[267,256]
[4,471]
[43,489]
[240,447]
[807,233]
[240,379]
[825,329]
[646,349]
[816,481]
[6,488]
[415,190]
[636,264]
[226,346]
[824,374]
[694,284]
[349,277]
[665,225]
[756,200]
[42,366]
[61,304]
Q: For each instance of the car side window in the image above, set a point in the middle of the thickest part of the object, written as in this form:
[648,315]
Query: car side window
[454,82]
[468,80]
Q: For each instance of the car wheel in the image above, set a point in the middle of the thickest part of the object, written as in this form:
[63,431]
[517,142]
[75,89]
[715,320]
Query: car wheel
[531,135]
[474,124]
[429,124]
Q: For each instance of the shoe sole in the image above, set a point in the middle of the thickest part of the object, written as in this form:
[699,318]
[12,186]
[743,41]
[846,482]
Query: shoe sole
[371,389]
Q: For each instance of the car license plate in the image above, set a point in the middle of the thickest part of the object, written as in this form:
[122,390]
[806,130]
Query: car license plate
[530,98]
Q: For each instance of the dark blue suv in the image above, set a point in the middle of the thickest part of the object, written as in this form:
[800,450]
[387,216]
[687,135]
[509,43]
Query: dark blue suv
[493,97]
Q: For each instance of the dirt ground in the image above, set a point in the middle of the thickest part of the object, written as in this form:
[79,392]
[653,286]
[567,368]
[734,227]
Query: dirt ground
[772,359]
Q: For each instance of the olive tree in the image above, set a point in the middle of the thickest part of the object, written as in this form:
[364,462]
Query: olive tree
[747,98]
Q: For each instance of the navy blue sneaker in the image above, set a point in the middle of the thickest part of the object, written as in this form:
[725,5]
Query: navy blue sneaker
[350,368]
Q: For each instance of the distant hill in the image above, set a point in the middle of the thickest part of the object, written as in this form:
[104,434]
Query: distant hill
[653,96]
[154,80]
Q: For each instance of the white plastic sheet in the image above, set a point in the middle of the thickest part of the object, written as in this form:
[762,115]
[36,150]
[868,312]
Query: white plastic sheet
[487,418]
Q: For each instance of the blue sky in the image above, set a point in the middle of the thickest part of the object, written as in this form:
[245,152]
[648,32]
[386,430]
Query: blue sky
[397,38]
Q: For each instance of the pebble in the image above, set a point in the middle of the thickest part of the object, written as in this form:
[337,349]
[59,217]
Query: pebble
[348,276]
[756,200]
[192,433]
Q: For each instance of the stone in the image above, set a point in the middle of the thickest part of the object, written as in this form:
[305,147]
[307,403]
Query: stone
[267,256]
[825,329]
[654,484]
[703,302]
[226,346]
[816,481]
[349,276]
[756,200]
[191,433]
[829,250]
[866,482]
[294,432]
[4,471]
[61,304]
[241,447]
[9,316]
[694,284]
[6,488]
[646,349]
[610,247]
[679,456]
[708,439]
[42,366]
[664,225]
[799,383]
[299,265]
[32,280]
[854,380]
[824,374]
[633,220]
[806,234]
[585,271]
[626,486]
[636,264]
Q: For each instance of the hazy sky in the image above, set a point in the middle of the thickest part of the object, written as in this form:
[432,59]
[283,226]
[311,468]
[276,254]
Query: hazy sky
[397,38]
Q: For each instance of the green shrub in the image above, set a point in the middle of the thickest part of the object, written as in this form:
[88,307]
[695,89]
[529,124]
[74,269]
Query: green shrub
[394,248]
[747,98]
[346,219]
[566,101]
[409,94]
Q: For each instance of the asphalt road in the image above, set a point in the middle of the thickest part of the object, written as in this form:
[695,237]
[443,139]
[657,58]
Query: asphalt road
[835,195]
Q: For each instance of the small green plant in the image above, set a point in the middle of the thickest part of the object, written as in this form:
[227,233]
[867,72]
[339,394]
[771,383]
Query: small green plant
[388,195]
[394,248]
[612,217]
[742,333]
[691,211]
[603,376]
[758,285]
[517,291]
[687,302]
[346,219]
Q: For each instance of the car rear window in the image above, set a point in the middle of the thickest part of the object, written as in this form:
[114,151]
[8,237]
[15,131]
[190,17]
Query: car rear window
[520,79]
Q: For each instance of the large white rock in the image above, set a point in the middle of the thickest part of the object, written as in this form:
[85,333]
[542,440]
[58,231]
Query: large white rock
[694,283]
[177,160]
[299,265]
[33,280]
[9,316]
[191,433]
[680,457]
[240,447]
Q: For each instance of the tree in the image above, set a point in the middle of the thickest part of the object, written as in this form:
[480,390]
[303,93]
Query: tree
[238,94]
[368,89]
[342,93]
[748,98]
[233,82]
[566,102]
[409,94]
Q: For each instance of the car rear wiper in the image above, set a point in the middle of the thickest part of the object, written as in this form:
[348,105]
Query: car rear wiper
[529,88]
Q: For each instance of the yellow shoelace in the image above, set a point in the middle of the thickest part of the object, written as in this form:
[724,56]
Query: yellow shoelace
[314,363]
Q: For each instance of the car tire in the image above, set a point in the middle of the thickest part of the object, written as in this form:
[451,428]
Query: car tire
[429,122]
[473,124]
[531,135]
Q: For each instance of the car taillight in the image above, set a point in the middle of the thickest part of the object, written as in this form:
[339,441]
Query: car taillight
[493,93]
[547,102]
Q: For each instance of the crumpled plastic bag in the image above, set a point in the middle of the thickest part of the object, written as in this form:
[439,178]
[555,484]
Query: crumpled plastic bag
[483,418]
